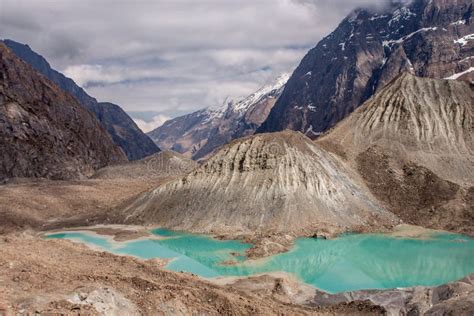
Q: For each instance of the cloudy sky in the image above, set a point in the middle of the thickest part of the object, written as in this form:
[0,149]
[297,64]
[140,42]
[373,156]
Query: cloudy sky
[164,58]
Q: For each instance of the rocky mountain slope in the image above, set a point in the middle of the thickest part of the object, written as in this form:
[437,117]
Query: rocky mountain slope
[413,145]
[161,165]
[268,183]
[198,134]
[120,126]
[429,38]
[45,132]
[124,131]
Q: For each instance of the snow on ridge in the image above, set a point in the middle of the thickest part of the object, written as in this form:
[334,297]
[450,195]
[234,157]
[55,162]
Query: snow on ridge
[460,74]
[460,22]
[403,12]
[467,58]
[377,17]
[464,40]
[214,113]
[404,38]
[276,85]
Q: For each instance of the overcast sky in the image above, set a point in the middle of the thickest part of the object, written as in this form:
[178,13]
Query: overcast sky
[171,57]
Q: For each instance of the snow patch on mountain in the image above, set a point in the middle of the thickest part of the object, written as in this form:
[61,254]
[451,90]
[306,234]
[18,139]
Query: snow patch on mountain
[273,88]
[402,13]
[404,38]
[242,106]
[460,74]
[464,40]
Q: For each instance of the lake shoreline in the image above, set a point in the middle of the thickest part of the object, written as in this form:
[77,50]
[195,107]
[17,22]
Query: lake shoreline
[126,236]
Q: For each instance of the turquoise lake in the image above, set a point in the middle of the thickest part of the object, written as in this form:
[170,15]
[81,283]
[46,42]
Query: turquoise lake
[347,263]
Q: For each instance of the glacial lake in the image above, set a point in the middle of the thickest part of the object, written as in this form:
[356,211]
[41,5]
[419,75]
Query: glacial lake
[350,262]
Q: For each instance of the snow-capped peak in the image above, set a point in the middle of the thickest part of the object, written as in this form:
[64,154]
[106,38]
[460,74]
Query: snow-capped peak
[272,87]
[242,105]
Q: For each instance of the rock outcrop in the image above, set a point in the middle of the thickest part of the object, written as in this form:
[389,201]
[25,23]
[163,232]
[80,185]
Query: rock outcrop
[455,298]
[198,134]
[125,133]
[429,38]
[45,132]
[413,145]
[268,183]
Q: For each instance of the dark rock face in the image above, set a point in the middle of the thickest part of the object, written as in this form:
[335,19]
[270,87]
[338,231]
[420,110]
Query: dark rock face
[45,132]
[198,134]
[125,133]
[120,126]
[427,38]
[39,63]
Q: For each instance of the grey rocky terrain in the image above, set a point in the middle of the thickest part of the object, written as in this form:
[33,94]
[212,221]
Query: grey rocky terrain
[454,298]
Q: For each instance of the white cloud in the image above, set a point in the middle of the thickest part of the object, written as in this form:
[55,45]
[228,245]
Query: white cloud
[82,74]
[156,121]
[172,56]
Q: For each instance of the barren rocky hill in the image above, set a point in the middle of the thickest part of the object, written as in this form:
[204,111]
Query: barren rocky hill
[268,183]
[45,132]
[429,38]
[413,144]
[160,165]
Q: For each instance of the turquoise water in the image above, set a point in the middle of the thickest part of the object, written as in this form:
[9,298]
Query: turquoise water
[348,263]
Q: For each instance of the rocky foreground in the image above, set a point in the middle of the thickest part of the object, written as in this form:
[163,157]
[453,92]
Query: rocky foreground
[60,277]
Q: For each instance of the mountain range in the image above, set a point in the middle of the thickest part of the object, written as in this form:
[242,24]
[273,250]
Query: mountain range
[433,39]
[388,96]
[367,50]
[198,134]
[112,117]
[405,155]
